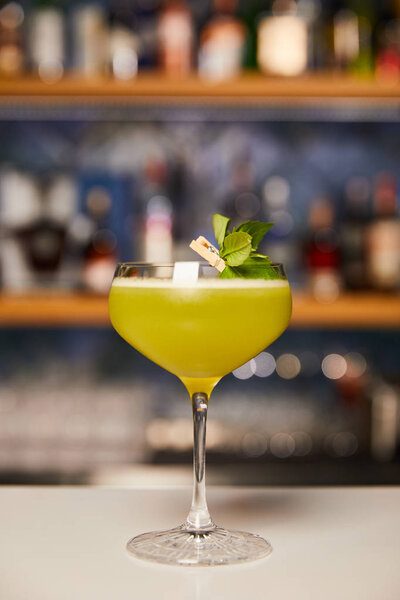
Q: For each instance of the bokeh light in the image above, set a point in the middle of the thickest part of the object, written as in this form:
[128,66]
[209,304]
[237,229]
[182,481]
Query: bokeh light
[334,366]
[288,366]
[264,364]
[245,371]
[356,364]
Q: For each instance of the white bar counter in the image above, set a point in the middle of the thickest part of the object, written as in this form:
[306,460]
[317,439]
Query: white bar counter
[68,543]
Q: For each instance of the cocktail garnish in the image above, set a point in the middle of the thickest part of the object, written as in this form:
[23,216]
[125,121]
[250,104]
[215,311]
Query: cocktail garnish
[206,250]
[237,255]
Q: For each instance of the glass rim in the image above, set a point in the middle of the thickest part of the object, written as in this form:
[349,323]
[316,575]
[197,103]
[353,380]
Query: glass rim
[172,264]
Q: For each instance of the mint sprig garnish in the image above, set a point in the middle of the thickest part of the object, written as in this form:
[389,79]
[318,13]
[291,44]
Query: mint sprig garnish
[239,247]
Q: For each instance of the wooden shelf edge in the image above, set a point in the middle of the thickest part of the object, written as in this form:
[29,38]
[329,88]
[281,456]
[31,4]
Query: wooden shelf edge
[39,310]
[156,88]
[365,311]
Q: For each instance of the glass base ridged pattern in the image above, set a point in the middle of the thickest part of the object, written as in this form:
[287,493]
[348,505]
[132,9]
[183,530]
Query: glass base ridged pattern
[212,546]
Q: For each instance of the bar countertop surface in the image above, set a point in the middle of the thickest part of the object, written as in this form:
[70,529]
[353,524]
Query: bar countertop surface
[60,543]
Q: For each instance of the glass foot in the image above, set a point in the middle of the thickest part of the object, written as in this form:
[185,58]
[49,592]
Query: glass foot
[182,546]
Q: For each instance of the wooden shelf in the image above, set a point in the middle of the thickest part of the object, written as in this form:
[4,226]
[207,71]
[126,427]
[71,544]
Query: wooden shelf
[250,88]
[365,311]
[53,310]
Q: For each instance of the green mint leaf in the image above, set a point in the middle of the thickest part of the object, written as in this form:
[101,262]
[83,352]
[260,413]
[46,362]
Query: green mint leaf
[236,248]
[251,268]
[256,230]
[220,224]
[229,273]
[256,267]
[255,255]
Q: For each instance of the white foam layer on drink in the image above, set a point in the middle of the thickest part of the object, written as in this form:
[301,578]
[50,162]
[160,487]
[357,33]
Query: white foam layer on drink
[201,283]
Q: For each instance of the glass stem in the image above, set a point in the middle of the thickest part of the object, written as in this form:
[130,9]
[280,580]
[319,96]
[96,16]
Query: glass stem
[199,517]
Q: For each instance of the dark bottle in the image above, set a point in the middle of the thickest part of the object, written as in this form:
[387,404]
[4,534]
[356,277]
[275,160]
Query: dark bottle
[357,211]
[387,64]
[321,252]
[101,253]
[249,12]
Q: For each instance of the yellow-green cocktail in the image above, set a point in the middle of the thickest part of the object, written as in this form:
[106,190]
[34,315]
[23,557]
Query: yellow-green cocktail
[203,331]
[199,327]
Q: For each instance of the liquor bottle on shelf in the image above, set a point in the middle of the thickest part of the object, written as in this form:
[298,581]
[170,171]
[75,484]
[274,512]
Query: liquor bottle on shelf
[383,236]
[175,39]
[240,202]
[35,231]
[387,64]
[124,40]
[106,201]
[158,220]
[222,43]
[12,57]
[249,13]
[283,40]
[346,43]
[61,208]
[321,251]
[47,44]
[280,243]
[353,227]
[385,413]
[310,11]
[90,40]
[20,208]
[352,36]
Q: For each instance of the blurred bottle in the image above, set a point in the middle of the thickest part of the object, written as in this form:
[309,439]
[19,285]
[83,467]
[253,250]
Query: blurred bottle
[281,244]
[353,227]
[387,64]
[321,252]
[147,14]
[157,242]
[385,412]
[43,242]
[346,42]
[311,11]
[383,236]
[105,201]
[249,12]
[47,45]
[20,208]
[100,256]
[35,232]
[240,201]
[124,40]
[60,209]
[352,36]
[222,43]
[12,58]
[283,40]
[175,39]
[91,40]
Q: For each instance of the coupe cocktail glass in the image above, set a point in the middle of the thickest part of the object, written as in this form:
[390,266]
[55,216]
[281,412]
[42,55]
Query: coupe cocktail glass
[198,330]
